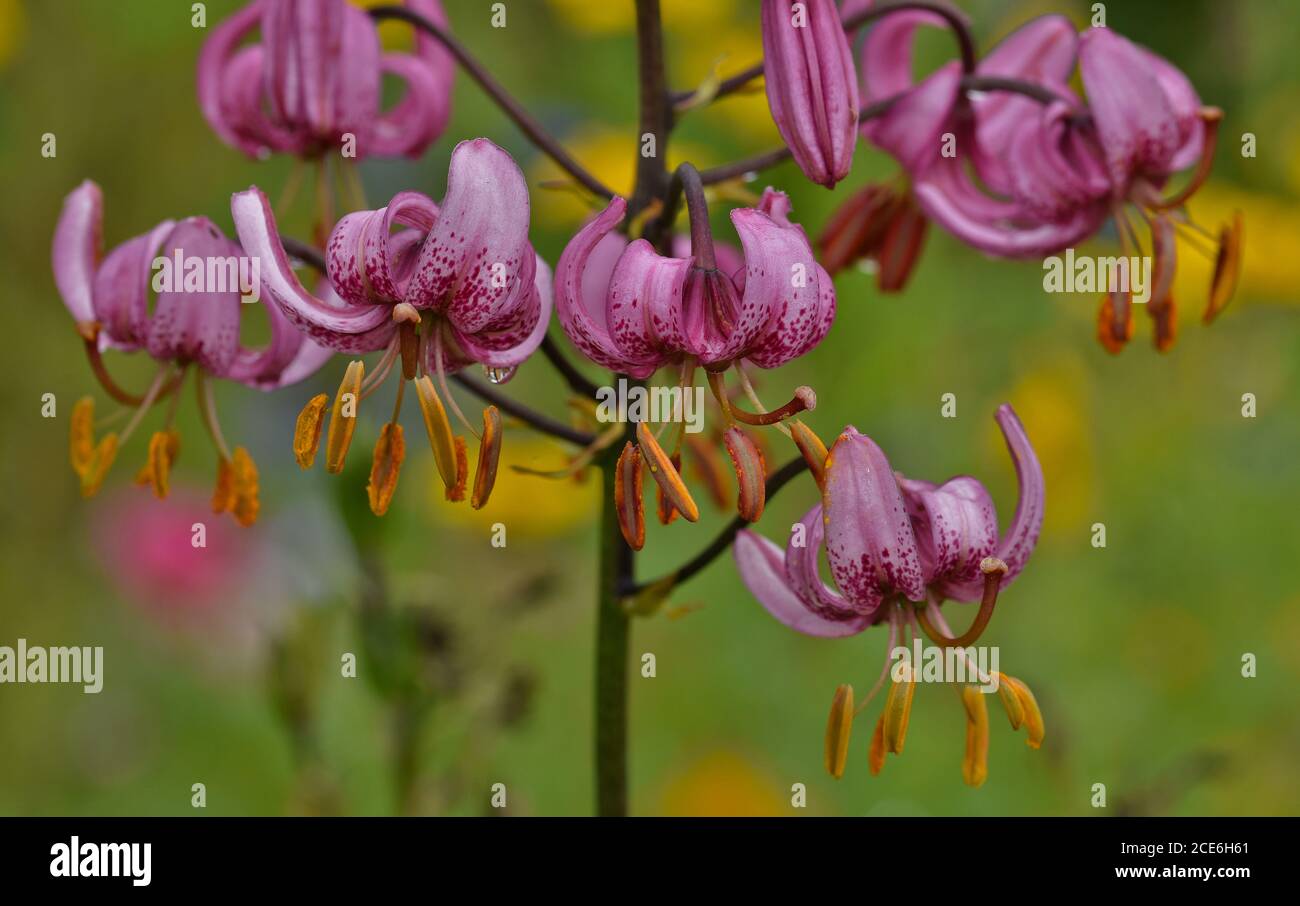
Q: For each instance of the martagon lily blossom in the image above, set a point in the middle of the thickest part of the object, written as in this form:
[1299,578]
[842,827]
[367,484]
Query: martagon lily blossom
[897,549]
[437,287]
[633,310]
[1015,176]
[315,78]
[191,324]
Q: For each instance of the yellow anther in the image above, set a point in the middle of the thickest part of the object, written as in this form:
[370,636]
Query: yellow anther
[97,466]
[975,765]
[751,473]
[343,417]
[898,711]
[306,431]
[1010,701]
[1227,269]
[838,729]
[439,430]
[164,446]
[456,492]
[813,450]
[1033,717]
[489,456]
[223,494]
[81,435]
[627,497]
[876,753]
[665,473]
[390,451]
[246,504]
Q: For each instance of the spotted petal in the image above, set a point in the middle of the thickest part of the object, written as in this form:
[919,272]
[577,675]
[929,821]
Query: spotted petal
[762,569]
[869,540]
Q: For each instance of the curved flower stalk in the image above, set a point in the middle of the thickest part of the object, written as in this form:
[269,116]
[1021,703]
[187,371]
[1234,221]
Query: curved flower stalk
[897,549]
[195,321]
[811,87]
[1016,176]
[437,287]
[630,309]
[315,76]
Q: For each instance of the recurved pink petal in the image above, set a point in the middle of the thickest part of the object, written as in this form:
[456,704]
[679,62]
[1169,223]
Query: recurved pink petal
[783,295]
[948,196]
[197,318]
[956,526]
[1042,51]
[368,263]
[811,85]
[78,241]
[912,129]
[644,303]
[869,540]
[289,357]
[330,321]
[229,93]
[122,285]
[1022,534]
[582,278]
[477,252]
[1139,127]
[762,569]
[803,574]
[419,117]
[520,328]
[887,51]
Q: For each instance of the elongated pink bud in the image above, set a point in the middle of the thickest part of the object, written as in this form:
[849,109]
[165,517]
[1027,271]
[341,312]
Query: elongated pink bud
[812,89]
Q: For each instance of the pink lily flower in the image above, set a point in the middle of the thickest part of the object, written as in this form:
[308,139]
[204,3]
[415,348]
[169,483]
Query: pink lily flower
[1150,124]
[195,321]
[897,548]
[632,310]
[1047,190]
[811,88]
[316,75]
[453,284]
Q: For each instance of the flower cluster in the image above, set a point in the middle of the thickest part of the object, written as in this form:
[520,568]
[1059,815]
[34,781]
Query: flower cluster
[998,150]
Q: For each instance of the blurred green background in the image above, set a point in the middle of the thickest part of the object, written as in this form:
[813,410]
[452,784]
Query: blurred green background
[474,663]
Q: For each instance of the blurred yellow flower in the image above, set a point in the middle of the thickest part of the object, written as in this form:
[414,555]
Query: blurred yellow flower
[721,785]
[1050,401]
[13,27]
[737,48]
[393,35]
[525,504]
[1270,267]
[609,154]
[607,17]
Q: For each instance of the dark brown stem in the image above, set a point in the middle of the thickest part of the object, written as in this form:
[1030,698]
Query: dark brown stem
[697,206]
[656,113]
[577,382]
[529,416]
[530,127]
[775,482]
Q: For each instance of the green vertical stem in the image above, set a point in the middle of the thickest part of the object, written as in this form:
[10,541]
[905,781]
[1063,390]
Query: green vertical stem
[612,632]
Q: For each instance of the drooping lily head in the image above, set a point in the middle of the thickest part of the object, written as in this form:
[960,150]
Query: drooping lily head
[1020,176]
[437,287]
[897,549]
[175,292]
[315,77]
[634,310]
[1150,125]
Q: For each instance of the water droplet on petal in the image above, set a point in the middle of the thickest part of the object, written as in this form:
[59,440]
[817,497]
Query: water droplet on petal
[499,375]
